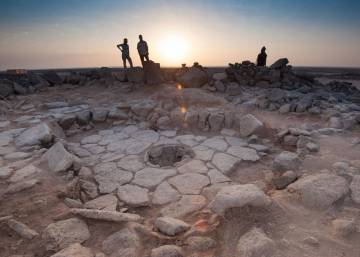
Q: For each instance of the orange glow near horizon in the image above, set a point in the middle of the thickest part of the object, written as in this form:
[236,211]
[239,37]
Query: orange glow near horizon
[183,110]
[179,86]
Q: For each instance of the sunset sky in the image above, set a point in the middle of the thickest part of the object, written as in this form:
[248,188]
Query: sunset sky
[84,33]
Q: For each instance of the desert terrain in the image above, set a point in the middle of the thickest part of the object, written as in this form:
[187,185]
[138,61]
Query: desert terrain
[239,161]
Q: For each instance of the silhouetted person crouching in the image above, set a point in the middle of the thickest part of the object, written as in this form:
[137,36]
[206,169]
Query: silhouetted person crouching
[124,48]
[261,59]
[143,50]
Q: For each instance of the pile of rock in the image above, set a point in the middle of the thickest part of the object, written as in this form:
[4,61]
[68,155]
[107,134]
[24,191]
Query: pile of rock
[25,83]
[299,138]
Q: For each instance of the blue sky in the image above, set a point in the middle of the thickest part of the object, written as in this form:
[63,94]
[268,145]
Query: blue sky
[45,33]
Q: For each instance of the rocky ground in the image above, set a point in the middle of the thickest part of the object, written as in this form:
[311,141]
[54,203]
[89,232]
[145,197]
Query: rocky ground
[249,162]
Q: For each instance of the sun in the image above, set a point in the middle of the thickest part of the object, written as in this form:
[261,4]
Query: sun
[173,48]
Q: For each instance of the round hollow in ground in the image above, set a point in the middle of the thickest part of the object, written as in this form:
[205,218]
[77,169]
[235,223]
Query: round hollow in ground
[169,155]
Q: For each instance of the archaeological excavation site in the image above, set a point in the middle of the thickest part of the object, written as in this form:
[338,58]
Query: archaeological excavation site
[241,161]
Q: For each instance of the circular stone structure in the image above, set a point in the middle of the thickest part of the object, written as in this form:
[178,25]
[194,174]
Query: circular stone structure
[169,155]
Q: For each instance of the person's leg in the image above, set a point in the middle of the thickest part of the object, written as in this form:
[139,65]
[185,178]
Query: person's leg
[124,62]
[130,61]
[147,57]
[142,60]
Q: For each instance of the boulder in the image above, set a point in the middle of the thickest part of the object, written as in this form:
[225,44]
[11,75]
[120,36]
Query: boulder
[280,64]
[120,240]
[100,114]
[250,125]
[343,227]
[63,233]
[19,89]
[255,243]
[52,77]
[59,159]
[200,243]
[41,134]
[194,77]
[6,88]
[143,108]
[152,73]
[171,226]
[238,196]
[216,121]
[219,76]
[355,189]
[74,250]
[284,180]
[286,161]
[319,191]
[135,75]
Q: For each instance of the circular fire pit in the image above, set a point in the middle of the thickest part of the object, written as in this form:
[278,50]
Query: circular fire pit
[169,155]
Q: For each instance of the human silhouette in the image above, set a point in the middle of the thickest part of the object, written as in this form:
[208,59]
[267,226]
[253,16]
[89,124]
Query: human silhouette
[261,59]
[143,50]
[124,48]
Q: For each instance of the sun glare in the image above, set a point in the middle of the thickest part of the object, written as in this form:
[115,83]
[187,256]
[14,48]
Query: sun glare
[173,48]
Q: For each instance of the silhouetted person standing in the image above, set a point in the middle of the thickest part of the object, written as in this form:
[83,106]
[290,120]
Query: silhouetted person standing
[261,59]
[143,50]
[124,48]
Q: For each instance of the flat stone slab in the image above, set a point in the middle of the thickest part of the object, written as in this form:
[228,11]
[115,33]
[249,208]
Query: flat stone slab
[189,140]
[24,173]
[151,177]
[186,205]
[225,162]
[203,153]
[93,139]
[217,177]
[216,143]
[244,153]
[131,163]
[236,141]
[133,195]
[148,136]
[189,183]
[194,166]
[164,194]
[106,202]
[109,180]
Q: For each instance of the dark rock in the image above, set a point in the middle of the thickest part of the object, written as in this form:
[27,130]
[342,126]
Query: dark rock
[6,88]
[284,180]
[280,64]
[194,77]
[152,73]
[52,77]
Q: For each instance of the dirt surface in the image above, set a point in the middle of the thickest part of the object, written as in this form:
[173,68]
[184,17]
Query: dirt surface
[286,221]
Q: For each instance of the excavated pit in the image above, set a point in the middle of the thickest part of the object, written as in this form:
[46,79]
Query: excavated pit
[169,155]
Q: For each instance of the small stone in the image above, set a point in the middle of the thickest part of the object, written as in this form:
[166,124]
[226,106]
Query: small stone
[286,161]
[167,251]
[59,159]
[171,226]
[200,243]
[21,229]
[355,189]
[74,250]
[312,241]
[284,180]
[343,227]
[255,243]
[250,125]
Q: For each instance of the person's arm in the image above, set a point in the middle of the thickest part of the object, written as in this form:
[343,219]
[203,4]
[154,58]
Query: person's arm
[120,47]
